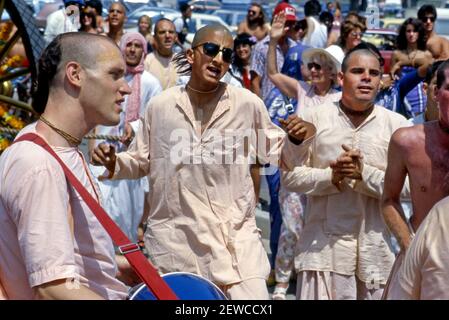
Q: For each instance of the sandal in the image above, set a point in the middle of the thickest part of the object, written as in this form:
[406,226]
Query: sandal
[279,293]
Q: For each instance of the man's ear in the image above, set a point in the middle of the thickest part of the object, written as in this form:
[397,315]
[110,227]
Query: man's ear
[190,55]
[340,77]
[435,92]
[425,87]
[73,72]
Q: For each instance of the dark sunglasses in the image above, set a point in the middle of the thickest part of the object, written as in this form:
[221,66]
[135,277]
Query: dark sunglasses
[212,49]
[311,65]
[424,19]
[293,25]
[252,12]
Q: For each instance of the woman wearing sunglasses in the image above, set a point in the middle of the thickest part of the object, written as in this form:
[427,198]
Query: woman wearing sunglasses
[351,32]
[411,45]
[322,65]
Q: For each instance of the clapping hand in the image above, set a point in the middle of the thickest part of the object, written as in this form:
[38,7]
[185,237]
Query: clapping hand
[348,165]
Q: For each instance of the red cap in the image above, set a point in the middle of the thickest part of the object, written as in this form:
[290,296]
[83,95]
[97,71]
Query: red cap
[289,11]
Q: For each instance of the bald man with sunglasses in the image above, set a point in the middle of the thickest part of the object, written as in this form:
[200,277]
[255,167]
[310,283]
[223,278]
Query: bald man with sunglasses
[196,142]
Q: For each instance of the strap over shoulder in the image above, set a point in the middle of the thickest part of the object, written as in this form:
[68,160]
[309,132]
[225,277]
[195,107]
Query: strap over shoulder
[131,251]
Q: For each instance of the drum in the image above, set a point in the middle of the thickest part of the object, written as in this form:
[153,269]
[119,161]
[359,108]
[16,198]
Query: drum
[187,286]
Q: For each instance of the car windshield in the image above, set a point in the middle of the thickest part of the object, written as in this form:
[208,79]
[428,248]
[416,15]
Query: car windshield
[381,41]
[442,26]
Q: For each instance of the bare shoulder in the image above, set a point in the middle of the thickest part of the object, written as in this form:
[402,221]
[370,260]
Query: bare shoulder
[428,55]
[242,27]
[407,137]
[420,54]
[398,54]
[435,43]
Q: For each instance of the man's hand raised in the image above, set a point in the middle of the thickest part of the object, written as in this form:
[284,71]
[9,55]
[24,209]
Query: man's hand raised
[104,155]
[297,129]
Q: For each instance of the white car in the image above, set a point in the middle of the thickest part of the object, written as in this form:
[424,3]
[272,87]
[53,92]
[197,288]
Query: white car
[201,20]
[231,17]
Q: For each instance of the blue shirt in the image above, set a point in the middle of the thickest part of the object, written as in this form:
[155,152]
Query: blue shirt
[293,61]
[275,100]
[393,97]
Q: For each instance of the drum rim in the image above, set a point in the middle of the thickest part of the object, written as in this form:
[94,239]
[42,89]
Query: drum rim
[142,285]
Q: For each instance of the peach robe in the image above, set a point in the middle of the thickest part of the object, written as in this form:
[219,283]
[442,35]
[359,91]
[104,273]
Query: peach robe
[202,216]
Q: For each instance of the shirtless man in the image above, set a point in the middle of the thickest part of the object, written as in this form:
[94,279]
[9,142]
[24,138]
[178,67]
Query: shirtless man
[438,46]
[116,19]
[255,23]
[420,152]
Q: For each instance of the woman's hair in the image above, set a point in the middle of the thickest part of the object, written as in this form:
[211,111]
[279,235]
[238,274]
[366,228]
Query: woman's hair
[337,5]
[238,63]
[346,28]
[325,62]
[91,15]
[401,40]
[327,19]
[150,22]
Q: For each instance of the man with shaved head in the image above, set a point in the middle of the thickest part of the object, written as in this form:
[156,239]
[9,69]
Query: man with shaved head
[344,250]
[196,142]
[52,246]
[116,20]
[159,62]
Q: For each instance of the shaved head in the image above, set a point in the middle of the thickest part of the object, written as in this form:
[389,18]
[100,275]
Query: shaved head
[205,32]
[72,49]
[65,48]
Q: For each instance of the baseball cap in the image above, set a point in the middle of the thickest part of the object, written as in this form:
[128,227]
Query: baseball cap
[289,11]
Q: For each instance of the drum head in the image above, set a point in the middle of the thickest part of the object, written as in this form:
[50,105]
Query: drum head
[187,286]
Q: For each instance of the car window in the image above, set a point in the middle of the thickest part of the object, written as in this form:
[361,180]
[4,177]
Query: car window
[442,26]
[227,17]
[381,41]
[240,17]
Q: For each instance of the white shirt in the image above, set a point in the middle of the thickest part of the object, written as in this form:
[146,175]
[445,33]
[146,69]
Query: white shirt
[343,230]
[318,37]
[58,22]
[424,273]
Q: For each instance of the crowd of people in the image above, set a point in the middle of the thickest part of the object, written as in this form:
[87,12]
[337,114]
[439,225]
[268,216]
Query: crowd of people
[355,158]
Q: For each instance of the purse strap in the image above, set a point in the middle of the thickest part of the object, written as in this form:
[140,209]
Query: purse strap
[146,272]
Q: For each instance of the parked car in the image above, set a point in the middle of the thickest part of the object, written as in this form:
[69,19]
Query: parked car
[133,17]
[231,17]
[200,19]
[393,8]
[391,23]
[43,9]
[385,41]
[442,23]
[204,6]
